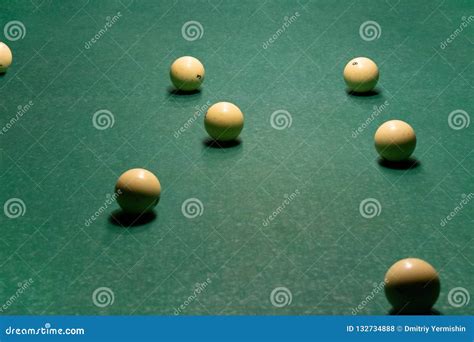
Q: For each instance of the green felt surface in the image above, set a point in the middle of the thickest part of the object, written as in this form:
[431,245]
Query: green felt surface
[318,245]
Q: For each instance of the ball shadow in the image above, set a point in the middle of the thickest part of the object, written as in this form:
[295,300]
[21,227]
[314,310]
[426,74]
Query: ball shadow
[123,219]
[370,93]
[432,312]
[3,74]
[177,92]
[410,163]
[211,143]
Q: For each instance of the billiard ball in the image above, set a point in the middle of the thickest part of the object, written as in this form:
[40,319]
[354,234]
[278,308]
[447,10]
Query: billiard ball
[5,57]
[395,140]
[187,73]
[412,286]
[137,191]
[361,74]
[224,121]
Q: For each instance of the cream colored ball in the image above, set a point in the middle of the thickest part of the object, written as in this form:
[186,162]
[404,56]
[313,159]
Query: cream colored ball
[138,191]
[224,121]
[187,73]
[6,57]
[412,286]
[395,140]
[361,74]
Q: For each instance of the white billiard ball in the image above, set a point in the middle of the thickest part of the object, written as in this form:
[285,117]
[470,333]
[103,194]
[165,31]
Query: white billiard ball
[6,57]
[224,121]
[361,74]
[137,191]
[395,140]
[187,73]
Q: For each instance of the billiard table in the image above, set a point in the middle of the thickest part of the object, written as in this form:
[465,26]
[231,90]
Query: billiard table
[297,217]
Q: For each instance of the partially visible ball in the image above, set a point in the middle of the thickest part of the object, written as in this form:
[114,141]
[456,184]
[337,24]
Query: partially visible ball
[395,140]
[224,121]
[361,74]
[138,191]
[412,286]
[187,73]
[6,57]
